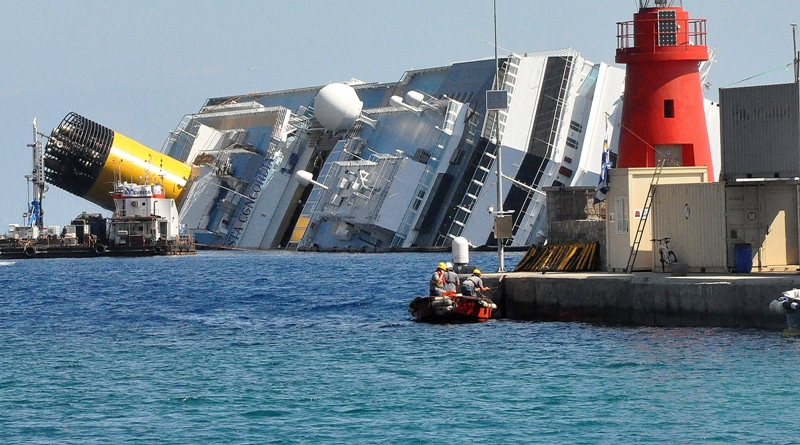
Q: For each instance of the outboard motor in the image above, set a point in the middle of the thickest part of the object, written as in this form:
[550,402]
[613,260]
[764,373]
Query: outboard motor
[788,304]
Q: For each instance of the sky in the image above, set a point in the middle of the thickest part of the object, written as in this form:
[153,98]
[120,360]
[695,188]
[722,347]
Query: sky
[138,67]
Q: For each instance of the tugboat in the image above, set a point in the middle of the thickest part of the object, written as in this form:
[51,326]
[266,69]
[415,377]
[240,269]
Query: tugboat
[451,307]
[145,222]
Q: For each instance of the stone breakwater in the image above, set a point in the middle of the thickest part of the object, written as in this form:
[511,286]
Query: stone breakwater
[642,299]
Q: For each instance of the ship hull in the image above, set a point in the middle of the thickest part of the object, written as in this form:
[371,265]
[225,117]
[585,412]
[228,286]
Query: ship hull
[44,250]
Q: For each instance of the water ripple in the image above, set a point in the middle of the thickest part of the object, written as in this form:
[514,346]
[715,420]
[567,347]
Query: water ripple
[278,347]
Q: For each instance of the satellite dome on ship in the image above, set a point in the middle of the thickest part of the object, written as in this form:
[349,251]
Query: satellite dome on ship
[337,107]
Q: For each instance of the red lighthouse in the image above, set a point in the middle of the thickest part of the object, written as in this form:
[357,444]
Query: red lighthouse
[662,113]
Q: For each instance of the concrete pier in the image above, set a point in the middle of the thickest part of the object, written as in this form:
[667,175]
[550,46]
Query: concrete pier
[642,299]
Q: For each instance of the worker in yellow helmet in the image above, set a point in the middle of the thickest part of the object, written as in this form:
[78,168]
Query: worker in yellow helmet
[451,281]
[473,284]
[438,280]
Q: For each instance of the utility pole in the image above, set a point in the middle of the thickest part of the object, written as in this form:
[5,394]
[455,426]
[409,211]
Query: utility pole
[498,153]
[796,54]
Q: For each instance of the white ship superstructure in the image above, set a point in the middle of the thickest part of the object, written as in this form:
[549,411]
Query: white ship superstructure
[417,168]
[400,164]
[143,215]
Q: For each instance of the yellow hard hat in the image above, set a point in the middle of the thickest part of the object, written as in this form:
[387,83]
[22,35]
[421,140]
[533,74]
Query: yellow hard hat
[442,266]
[476,272]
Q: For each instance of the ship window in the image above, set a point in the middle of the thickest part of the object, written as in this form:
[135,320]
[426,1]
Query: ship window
[572,143]
[669,108]
[474,189]
[457,157]
[469,202]
[422,156]
[576,127]
[565,171]
[486,162]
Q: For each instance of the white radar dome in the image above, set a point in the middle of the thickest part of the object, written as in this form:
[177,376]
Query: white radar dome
[337,106]
[460,248]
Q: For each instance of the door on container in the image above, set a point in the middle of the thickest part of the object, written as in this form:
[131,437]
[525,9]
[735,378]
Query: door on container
[780,224]
[743,211]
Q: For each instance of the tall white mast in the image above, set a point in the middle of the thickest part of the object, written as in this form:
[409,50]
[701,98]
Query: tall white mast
[36,213]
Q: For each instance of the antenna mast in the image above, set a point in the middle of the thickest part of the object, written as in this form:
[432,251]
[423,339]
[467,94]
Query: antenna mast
[796,54]
[36,213]
[498,153]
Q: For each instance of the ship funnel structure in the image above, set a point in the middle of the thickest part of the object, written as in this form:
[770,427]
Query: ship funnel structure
[663,117]
[337,107]
[84,158]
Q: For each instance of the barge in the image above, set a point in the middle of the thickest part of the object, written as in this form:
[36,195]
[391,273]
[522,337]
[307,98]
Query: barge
[144,224]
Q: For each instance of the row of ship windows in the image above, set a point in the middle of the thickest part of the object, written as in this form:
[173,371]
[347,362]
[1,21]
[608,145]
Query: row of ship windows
[572,143]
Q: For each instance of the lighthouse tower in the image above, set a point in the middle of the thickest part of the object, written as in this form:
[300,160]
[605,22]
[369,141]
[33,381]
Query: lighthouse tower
[662,114]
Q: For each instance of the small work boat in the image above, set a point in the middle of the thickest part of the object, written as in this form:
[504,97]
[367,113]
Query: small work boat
[451,308]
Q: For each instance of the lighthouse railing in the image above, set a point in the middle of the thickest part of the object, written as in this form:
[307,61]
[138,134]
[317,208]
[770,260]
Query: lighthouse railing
[628,35]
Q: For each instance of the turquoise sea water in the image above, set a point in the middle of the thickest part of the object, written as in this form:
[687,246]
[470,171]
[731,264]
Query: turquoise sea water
[247,347]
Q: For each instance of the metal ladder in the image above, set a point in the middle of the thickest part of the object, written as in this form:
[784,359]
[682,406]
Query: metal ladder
[648,202]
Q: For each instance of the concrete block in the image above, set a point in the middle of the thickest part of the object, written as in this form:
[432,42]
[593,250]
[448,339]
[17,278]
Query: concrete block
[548,301]
[520,298]
[693,310]
[592,300]
[723,306]
[573,305]
[666,309]
[642,303]
[617,301]
[678,269]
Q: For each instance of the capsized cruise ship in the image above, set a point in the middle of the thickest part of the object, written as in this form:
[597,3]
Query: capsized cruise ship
[400,164]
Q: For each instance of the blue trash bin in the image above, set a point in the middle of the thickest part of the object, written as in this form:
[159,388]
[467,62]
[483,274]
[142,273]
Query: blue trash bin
[743,258]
